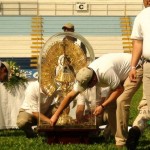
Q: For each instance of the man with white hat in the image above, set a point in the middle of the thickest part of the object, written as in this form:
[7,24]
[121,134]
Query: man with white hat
[108,70]
[4,71]
[69,27]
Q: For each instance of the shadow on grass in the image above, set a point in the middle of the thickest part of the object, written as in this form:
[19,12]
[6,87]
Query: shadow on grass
[144,145]
[11,132]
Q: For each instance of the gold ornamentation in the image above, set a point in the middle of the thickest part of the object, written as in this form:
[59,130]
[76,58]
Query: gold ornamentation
[60,59]
[74,59]
[60,63]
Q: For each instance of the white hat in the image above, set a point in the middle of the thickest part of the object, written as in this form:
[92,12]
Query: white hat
[68,26]
[83,77]
[7,66]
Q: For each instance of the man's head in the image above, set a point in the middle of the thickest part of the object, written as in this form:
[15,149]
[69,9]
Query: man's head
[68,27]
[4,71]
[86,78]
[146,3]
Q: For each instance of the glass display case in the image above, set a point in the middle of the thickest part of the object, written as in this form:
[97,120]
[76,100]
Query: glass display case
[60,59]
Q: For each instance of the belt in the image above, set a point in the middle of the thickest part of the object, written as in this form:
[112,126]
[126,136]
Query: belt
[139,66]
[147,60]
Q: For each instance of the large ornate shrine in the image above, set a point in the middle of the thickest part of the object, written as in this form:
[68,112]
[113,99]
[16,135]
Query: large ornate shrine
[59,61]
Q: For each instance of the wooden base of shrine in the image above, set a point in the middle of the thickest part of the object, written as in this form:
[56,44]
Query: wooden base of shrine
[69,135]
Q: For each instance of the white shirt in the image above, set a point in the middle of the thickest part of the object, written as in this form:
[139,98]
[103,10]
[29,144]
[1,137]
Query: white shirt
[92,96]
[32,100]
[88,95]
[111,69]
[141,30]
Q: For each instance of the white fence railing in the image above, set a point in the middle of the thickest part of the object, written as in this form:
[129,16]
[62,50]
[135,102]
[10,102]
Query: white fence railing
[70,9]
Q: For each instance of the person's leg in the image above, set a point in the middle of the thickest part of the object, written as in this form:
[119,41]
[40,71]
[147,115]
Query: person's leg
[133,138]
[146,82]
[25,121]
[107,131]
[111,112]
[99,121]
[123,107]
[138,127]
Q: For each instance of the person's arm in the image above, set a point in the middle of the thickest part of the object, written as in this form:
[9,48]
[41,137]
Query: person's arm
[81,101]
[79,112]
[64,104]
[42,117]
[136,55]
[112,97]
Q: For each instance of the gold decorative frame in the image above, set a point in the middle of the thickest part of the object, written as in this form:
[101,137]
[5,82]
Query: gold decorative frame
[56,47]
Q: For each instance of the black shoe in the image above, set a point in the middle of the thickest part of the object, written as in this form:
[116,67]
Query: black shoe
[133,138]
[30,133]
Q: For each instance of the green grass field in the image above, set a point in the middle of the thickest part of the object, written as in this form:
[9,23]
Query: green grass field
[16,140]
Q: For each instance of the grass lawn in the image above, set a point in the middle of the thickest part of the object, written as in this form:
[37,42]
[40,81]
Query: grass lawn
[16,140]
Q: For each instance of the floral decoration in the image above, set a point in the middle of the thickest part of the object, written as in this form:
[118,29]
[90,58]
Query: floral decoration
[17,78]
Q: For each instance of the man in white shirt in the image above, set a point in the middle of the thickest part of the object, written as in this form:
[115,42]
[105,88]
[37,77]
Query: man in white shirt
[108,70]
[87,101]
[29,112]
[141,46]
